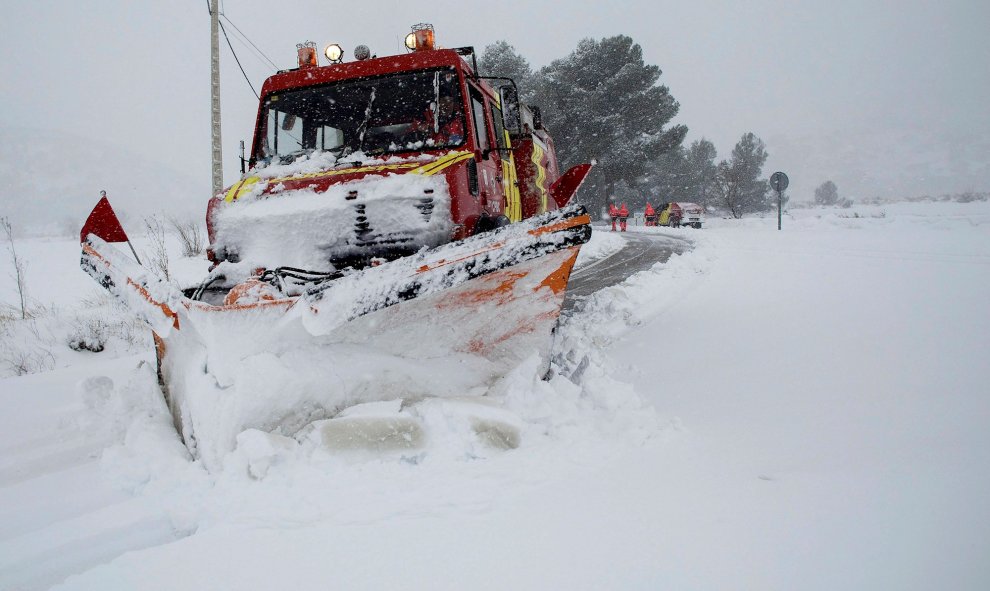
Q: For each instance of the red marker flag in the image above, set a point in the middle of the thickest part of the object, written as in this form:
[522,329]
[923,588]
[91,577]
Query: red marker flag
[567,185]
[103,222]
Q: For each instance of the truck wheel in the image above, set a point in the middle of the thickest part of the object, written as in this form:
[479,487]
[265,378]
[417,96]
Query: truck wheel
[487,223]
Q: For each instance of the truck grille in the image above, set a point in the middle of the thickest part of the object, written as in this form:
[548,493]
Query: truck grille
[425,207]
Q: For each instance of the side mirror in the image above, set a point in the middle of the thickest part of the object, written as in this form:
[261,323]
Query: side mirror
[510,108]
[537,117]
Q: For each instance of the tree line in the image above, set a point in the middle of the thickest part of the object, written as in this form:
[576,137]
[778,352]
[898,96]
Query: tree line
[602,102]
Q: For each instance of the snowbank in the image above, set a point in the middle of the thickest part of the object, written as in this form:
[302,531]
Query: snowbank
[777,410]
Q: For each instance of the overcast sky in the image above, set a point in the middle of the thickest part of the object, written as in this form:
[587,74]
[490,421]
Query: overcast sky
[825,84]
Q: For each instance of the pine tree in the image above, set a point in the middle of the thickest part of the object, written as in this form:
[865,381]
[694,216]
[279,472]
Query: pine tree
[670,178]
[502,59]
[700,171]
[827,194]
[603,102]
[738,181]
[683,174]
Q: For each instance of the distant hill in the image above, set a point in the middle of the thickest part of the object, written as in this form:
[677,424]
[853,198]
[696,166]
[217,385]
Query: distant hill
[883,165]
[49,181]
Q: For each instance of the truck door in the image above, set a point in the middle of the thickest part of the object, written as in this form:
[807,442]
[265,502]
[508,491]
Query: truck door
[510,184]
[490,176]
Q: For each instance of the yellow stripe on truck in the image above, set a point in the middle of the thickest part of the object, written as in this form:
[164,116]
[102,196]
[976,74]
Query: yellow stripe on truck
[438,165]
[541,174]
[241,187]
[510,184]
[237,190]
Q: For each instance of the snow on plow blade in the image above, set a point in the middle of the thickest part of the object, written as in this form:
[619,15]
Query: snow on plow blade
[149,298]
[446,322]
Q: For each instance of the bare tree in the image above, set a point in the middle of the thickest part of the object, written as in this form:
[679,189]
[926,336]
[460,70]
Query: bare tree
[18,265]
[727,188]
[23,362]
[154,230]
[190,234]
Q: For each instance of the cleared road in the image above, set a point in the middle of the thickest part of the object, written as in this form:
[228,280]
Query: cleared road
[642,251]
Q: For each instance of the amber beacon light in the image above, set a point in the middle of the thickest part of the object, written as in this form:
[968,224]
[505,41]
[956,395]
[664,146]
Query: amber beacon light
[421,38]
[306,53]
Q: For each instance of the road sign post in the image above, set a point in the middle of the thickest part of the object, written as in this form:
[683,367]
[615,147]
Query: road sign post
[779,182]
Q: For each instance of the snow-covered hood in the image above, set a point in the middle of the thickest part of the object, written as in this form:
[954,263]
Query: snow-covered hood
[315,210]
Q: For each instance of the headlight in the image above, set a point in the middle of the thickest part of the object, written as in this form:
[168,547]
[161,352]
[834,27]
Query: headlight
[334,53]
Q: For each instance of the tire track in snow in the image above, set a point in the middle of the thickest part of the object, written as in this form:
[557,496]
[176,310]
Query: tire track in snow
[642,251]
[54,456]
[37,561]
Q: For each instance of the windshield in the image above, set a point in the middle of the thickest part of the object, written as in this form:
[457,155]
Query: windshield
[396,113]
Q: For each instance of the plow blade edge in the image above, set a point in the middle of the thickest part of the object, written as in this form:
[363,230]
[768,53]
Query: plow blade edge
[446,322]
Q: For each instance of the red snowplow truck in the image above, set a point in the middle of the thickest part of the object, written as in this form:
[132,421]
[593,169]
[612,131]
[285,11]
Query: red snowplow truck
[402,204]
[424,116]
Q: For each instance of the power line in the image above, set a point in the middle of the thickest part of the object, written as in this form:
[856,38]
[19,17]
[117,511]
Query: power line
[253,53]
[248,39]
[261,58]
[234,53]
[258,57]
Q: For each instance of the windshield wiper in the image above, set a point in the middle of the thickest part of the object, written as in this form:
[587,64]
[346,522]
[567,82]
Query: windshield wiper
[367,117]
[347,163]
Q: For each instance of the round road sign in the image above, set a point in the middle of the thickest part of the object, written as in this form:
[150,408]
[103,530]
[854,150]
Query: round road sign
[778,181]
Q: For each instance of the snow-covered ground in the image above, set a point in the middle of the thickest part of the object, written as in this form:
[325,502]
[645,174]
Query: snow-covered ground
[805,409]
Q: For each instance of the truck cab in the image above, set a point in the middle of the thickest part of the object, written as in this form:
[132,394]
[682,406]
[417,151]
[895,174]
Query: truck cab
[344,132]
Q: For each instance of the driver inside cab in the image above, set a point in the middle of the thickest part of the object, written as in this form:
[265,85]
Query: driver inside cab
[441,124]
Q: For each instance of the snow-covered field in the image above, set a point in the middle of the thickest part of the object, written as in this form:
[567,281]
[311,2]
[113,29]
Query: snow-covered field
[805,409]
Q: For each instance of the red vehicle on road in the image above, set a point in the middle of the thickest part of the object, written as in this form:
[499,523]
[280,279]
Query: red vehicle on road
[423,114]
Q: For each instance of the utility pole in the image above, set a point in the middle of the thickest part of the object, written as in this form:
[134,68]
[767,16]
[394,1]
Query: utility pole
[215,96]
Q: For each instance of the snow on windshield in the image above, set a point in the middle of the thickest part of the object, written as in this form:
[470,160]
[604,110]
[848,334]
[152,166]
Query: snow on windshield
[388,114]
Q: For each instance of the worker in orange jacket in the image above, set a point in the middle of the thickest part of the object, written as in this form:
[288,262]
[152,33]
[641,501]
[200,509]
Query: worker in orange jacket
[650,214]
[623,214]
[613,212]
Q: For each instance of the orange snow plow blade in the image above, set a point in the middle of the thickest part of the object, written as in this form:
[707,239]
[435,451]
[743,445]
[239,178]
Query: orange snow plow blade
[151,299]
[279,362]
